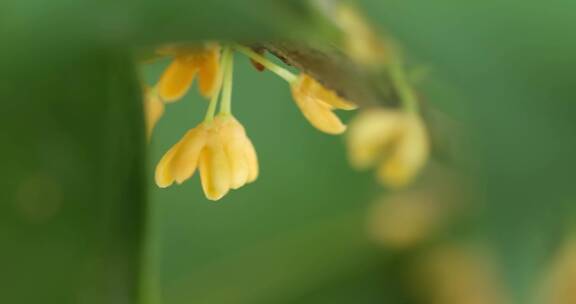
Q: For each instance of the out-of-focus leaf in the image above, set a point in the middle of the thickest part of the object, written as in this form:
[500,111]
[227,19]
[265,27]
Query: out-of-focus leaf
[152,22]
[72,196]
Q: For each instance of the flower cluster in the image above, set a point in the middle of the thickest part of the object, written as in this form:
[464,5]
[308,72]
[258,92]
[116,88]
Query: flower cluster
[220,148]
[178,77]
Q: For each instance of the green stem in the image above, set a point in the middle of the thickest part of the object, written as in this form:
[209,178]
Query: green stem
[214,101]
[407,95]
[149,281]
[226,103]
[278,70]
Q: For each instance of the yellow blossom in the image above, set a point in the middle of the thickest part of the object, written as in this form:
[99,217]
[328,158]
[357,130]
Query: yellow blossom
[317,104]
[395,141]
[220,149]
[153,108]
[405,220]
[559,284]
[179,75]
[360,41]
[457,274]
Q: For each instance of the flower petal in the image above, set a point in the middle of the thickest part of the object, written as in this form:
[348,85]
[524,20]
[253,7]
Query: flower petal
[252,158]
[164,176]
[177,78]
[185,161]
[234,137]
[319,114]
[214,169]
[316,90]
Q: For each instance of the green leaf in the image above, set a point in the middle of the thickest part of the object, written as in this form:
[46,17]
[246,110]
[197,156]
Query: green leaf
[72,194]
[151,22]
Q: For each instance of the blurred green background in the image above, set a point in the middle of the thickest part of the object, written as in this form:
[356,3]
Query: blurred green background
[75,225]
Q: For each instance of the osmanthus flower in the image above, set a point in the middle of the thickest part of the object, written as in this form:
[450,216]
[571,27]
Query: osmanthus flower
[452,273]
[316,102]
[360,41]
[394,141]
[558,282]
[411,217]
[406,219]
[220,149]
[187,62]
[178,77]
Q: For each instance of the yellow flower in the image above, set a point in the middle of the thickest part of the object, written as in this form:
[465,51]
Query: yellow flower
[317,104]
[396,140]
[559,282]
[404,220]
[220,149]
[360,41]
[458,274]
[153,109]
[179,75]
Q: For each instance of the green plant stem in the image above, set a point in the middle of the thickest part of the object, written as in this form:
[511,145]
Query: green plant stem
[214,101]
[226,103]
[276,69]
[407,95]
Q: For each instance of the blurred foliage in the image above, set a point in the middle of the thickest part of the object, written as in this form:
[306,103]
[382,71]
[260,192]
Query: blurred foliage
[72,194]
[72,221]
